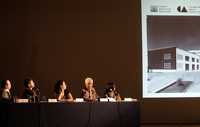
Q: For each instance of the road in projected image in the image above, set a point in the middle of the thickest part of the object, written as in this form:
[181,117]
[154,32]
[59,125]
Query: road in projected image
[173,82]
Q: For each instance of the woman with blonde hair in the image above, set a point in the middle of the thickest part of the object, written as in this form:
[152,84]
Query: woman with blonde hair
[88,92]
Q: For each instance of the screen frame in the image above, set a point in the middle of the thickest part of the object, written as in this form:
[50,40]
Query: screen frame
[144,12]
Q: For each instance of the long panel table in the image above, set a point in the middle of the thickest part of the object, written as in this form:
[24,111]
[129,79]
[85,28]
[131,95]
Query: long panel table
[98,114]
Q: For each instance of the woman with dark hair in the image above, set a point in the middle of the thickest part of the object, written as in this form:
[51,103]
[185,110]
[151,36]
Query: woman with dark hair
[111,92]
[5,93]
[62,92]
[31,92]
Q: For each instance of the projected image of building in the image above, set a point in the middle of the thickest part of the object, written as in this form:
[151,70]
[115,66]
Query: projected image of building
[172,59]
[173,70]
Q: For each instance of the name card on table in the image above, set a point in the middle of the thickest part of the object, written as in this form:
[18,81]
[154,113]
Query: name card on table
[21,100]
[110,99]
[79,100]
[103,99]
[129,99]
[52,100]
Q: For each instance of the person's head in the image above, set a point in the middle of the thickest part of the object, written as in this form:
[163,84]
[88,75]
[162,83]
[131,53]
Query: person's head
[29,84]
[6,84]
[111,87]
[60,85]
[89,83]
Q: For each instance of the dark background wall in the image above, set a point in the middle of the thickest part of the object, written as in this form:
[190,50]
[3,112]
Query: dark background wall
[49,40]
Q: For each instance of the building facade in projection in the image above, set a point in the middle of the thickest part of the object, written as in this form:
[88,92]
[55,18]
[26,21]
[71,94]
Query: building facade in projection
[172,59]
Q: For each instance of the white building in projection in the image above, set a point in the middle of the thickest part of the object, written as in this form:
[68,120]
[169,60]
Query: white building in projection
[173,59]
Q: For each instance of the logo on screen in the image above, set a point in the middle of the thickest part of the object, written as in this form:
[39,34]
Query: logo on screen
[154,9]
[182,9]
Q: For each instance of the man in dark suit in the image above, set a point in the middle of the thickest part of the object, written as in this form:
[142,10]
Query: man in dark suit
[31,92]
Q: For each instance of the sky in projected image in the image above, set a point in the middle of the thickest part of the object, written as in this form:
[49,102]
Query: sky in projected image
[173,31]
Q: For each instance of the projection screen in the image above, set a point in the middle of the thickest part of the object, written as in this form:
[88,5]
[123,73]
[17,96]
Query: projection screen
[170,48]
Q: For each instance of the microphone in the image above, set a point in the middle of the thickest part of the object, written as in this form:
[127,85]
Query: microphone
[36,87]
[36,90]
[90,91]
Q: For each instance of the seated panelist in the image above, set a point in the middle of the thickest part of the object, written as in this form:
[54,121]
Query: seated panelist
[88,92]
[5,91]
[31,92]
[111,92]
[62,92]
